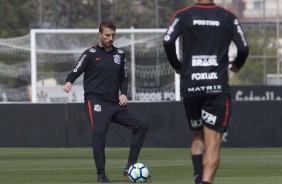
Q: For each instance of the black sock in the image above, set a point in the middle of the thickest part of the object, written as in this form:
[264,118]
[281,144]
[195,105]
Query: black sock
[198,167]
[205,182]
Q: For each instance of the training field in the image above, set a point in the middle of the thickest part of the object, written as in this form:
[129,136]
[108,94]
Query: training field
[167,166]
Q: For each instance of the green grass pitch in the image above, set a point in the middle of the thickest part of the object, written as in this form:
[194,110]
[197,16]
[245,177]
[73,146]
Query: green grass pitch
[167,166]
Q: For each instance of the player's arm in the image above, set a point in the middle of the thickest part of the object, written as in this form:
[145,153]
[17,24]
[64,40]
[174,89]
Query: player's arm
[241,43]
[123,82]
[170,37]
[79,68]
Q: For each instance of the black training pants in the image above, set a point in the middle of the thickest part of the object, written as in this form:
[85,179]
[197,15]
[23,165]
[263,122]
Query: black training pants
[100,114]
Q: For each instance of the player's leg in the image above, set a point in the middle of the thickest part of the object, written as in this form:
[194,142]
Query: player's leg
[99,117]
[215,115]
[193,107]
[212,154]
[197,152]
[131,120]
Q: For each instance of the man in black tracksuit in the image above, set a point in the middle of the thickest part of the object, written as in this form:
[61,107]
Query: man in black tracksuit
[105,87]
[207,31]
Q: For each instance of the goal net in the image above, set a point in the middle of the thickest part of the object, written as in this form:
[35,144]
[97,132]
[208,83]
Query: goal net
[55,52]
[15,69]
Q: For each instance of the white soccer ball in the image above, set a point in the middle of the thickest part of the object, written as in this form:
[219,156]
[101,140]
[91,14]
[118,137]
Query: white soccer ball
[138,173]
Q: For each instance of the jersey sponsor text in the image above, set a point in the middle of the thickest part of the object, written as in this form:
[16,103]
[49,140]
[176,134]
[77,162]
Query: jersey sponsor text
[240,31]
[79,63]
[208,89]
[206,23]
[196,123]
[204,60]
[171,29]
[204,76]
[208,118]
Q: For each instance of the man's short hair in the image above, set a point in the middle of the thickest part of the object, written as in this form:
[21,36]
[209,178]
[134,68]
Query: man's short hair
[107,24]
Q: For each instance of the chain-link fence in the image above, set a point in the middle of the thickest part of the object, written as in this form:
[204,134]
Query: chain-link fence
[261,21]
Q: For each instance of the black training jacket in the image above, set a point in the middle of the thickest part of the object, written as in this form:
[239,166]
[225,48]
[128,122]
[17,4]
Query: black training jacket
[105,73]
[207,31]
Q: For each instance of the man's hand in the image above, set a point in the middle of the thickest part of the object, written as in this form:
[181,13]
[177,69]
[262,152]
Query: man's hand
[233,68]
[123,100]
[67,87]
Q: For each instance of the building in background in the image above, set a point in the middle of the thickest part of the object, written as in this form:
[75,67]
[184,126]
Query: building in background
[253,10]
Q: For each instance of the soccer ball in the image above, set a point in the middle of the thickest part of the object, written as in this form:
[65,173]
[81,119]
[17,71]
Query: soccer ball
[138,173]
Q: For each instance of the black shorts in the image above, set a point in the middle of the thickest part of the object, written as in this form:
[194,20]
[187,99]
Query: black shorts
[212,111]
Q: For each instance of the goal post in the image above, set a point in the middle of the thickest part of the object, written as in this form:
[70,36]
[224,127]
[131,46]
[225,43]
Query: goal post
[54,50]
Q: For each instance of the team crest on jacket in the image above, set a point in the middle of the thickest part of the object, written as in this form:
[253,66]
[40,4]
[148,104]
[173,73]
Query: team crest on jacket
[97,108]
[117,58]
[92,50]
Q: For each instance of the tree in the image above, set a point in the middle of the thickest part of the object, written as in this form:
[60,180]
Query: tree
[14,20]
[17,17]
[61,13]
